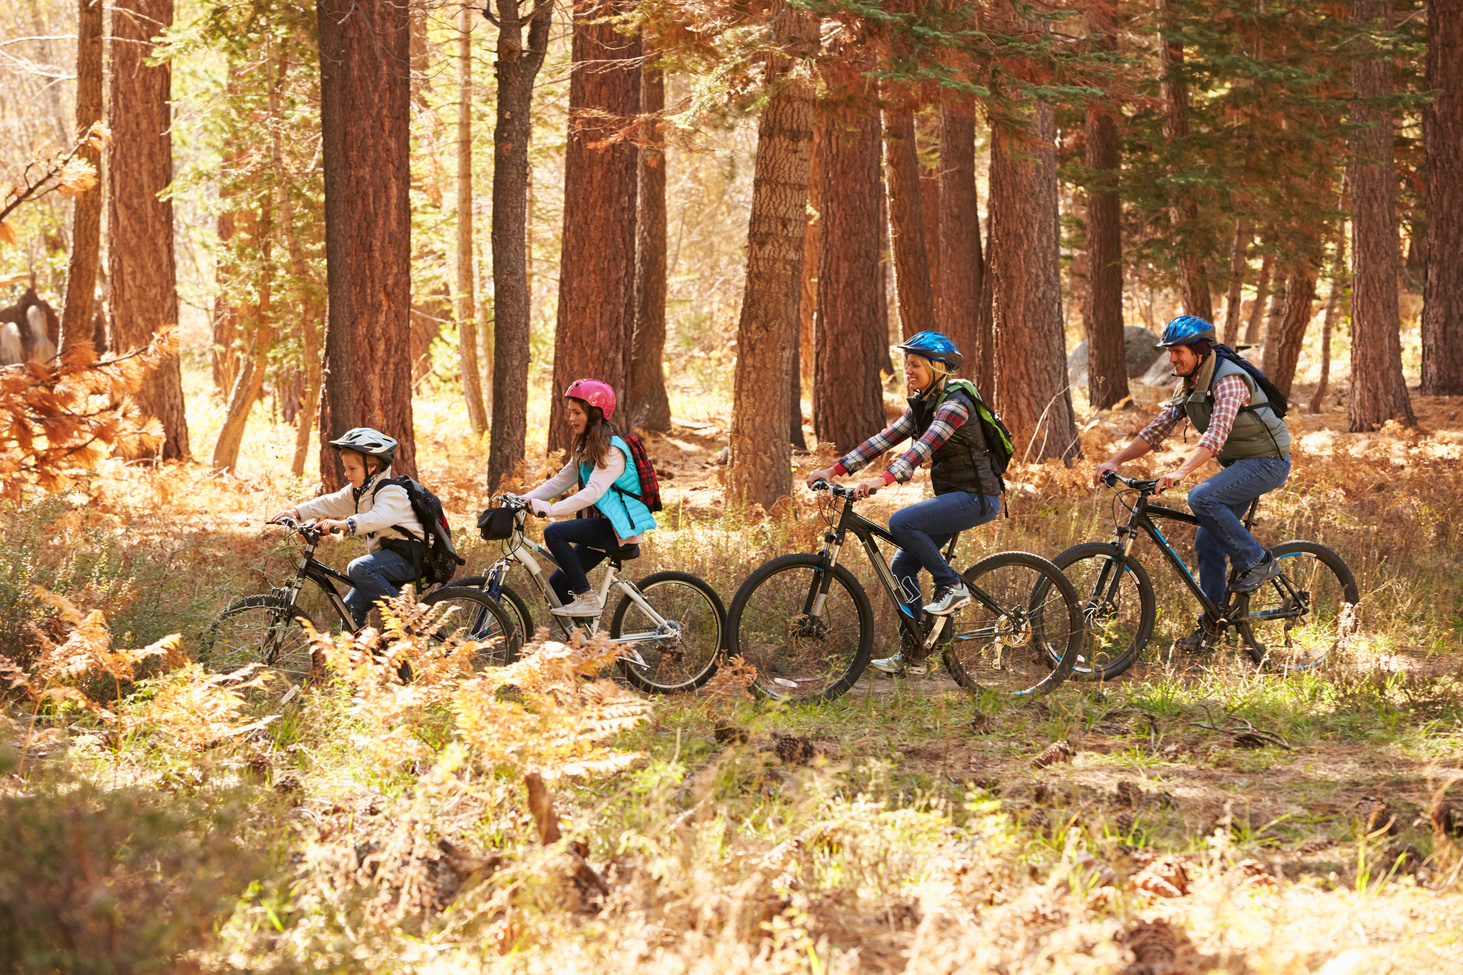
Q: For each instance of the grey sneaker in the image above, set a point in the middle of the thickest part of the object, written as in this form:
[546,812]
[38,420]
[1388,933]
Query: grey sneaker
[948,599]
[584,604]
[900,666]
[1256,575]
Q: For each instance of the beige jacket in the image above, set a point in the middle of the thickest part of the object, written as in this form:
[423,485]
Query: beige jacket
[373,516]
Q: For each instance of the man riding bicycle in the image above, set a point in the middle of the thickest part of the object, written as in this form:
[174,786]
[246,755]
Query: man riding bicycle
[1239,429]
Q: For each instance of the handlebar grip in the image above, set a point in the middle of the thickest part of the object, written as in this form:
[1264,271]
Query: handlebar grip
[820,485]
[1110,478]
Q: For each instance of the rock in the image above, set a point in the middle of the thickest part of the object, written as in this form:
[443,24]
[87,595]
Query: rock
[1159,374]
[1141,351]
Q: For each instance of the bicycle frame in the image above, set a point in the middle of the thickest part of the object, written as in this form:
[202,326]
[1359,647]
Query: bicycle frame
[323,576]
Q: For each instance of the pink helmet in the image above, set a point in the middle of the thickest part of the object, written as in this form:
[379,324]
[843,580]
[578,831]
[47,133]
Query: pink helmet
[593,392]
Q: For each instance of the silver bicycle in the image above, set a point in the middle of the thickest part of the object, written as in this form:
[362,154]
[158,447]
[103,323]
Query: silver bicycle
[672,625]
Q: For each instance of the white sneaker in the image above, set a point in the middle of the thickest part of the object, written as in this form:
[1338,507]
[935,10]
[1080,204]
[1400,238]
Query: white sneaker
[948,599]
[585,604]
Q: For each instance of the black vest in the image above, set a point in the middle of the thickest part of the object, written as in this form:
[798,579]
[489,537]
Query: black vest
[961,463]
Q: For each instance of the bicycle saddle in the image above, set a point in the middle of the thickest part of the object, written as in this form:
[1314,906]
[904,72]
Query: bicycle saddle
[623,553]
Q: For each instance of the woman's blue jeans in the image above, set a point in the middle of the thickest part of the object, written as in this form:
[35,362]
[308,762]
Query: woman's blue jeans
[923,529]
[570,544]
[375,576]
[1219,503]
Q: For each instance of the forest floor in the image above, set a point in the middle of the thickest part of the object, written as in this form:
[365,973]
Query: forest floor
[895,830]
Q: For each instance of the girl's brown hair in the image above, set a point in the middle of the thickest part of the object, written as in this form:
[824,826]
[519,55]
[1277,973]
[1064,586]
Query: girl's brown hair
[594,443]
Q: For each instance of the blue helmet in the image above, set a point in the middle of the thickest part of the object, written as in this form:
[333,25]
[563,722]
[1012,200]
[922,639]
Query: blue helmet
[1184,330]
[933,345]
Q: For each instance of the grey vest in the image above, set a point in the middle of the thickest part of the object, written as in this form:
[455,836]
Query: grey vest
[1257,431]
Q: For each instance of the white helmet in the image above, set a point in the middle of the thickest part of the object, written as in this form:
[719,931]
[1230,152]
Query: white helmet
[371,443]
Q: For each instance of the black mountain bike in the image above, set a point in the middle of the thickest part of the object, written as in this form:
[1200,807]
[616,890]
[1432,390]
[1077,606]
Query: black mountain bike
[805,622]
[1293,622]
[268,628]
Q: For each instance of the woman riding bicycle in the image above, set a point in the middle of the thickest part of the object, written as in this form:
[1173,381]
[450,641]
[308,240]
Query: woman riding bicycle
[609,486]
[967,487]
[1239,429]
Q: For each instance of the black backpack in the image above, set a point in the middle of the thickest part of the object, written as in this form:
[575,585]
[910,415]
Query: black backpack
[439,559]
[1278,403]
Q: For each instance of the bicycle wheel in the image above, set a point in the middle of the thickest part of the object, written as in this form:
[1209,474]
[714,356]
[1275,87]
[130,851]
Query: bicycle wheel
[472,614]
[1022,632]
[806,629]
[680,653]
[1118,607]
[508,600]
[1299,618]
[259,629]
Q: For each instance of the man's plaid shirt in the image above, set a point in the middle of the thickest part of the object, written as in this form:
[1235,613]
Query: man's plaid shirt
[1230,393]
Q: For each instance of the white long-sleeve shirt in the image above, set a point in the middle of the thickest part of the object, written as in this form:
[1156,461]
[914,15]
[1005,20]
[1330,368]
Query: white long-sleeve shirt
[599,482]
[376,514]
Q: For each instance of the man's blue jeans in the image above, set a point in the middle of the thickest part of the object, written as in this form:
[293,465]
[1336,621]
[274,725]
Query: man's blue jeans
[923,529]
[375,575]
[1219,503]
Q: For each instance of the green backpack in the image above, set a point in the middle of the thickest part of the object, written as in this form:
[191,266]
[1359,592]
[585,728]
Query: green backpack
[997,436]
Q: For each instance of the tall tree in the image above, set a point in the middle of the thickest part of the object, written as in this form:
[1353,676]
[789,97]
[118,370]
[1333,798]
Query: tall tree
[1442,129]
[650,405]
[927,131]
[760,467]
[1282,346]
[144,294]
[1026,290]
[516,68]
[907,220]
[467,325]
[1192,276]
[596,320]
[86,219]
[1262,294]
[1102,313]
[1378,390]
[851,332]
[961,261]
[365,97]
[1233,303]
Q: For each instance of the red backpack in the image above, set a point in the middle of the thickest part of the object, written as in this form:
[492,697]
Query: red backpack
[649,487]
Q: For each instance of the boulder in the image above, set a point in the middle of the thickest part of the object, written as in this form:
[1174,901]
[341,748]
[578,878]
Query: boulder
[1141,350]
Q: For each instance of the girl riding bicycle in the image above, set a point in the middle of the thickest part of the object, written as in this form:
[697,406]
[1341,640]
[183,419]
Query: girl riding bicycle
[967,487]
[361,509]
[610,513]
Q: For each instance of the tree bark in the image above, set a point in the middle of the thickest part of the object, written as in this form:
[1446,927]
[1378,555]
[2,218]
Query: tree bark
[927,129]
[1107,355]
[851,337]
[365,96]
[1275,316]
[1442,128]
[808,302]
[144,295]
[596,319]
[760,467]
[906,213]
[516,68]
[1327,324]
[1193,279]
[1282,350]
[1262,294]
[962,265]
[86,218]
[1378,390]
[467,326]
[1029,349]
[1237,263]
[650,404]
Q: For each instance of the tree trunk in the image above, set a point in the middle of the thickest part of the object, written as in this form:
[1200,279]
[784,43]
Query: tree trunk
[144,294]
[516,68]
[962,265]
[1107,354]
[808,302]
[86,218]
[365,95]
[1262,294]
[1442,127]
[1193,279]
[760,468]
[927,130]
[1274,317]
[1282,351]
[650,404]
[851,337]
[1327,323]
[1378,391]
[1233,300]
[906,212]
[1029,350]
[596,320]
[467,326]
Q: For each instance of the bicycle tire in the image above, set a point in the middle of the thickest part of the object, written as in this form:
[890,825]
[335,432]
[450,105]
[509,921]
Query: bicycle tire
[477,617]
[1115,637]
[1320,587]
[798,657]
[508,598]
[1037,613]
[682,656]
[258,629]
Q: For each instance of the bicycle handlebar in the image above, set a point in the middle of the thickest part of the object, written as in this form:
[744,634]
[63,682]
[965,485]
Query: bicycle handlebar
[837,490]
[304,527]
[1111,479]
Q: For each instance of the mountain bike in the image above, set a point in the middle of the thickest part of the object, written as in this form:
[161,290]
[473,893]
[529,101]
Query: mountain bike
[268,628]
[671,624]
[1293,622]
[806,623]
